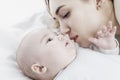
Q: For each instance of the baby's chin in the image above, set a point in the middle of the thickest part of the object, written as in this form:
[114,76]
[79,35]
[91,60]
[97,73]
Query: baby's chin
[71,59]
[74,55]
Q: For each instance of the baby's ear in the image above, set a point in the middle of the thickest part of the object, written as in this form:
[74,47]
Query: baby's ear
[99,3]
[37,68]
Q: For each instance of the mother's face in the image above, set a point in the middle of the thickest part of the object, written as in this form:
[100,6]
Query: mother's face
[80,19]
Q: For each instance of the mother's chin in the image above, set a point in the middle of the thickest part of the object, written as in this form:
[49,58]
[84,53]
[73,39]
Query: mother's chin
[83,43]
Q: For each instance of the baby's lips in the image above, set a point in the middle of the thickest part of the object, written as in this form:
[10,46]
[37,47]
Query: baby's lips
[66,43]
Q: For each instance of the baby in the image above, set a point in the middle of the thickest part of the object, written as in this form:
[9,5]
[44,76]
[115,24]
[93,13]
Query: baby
[43,54]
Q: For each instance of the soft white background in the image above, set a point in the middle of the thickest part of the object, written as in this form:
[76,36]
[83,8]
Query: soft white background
[15,11]
[16,16]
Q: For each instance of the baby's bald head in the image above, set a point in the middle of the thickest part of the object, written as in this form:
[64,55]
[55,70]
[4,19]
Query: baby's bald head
[27,54]
[43,53]
[31,55]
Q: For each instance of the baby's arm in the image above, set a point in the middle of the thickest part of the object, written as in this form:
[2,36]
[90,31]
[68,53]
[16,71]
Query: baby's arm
[105,40]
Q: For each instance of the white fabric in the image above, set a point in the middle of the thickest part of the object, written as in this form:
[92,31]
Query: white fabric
[91,65]
[114,51]
[10,37]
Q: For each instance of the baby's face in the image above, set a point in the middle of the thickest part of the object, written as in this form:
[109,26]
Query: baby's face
[51,48]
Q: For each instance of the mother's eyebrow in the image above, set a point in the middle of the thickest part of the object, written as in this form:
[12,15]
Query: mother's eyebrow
[58,9]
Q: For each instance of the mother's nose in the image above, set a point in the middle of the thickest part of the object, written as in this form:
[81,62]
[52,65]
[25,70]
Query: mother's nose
[64,27]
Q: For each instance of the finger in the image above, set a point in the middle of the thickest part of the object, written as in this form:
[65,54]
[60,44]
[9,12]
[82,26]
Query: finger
[93,40]
[104,29]
[113,31]
[109,27]
[100,34]
[110,24]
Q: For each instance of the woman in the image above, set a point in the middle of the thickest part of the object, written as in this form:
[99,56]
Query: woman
[81,19]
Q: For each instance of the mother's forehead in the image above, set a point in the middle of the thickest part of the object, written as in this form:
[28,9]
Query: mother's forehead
[54,5]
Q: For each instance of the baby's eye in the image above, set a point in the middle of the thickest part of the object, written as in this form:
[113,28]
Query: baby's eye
[49,39]
[66,15]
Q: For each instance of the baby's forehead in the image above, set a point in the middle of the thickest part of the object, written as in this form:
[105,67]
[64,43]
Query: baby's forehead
[39,32]
[36,36]
[45,31]
[42,31]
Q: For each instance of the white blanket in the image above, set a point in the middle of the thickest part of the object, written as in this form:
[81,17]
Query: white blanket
[91,65]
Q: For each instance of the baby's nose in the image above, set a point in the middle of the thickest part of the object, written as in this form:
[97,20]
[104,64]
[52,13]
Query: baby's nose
[67,36]
[60,37]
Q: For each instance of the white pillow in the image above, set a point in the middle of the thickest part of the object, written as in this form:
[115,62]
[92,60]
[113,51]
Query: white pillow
[10,38]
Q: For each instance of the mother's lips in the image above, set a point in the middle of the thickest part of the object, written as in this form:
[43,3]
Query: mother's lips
[74,38]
